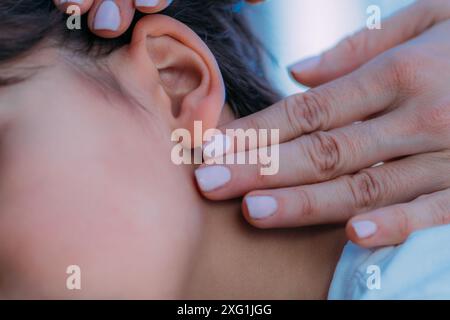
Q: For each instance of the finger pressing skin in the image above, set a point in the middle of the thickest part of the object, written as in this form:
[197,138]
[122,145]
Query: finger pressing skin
[151,6]
[393,225]
[315,158]
[338,200]
[110,19]
[84,5]
[355,97]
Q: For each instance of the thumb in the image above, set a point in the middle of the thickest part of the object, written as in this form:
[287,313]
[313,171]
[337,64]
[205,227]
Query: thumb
[356,50]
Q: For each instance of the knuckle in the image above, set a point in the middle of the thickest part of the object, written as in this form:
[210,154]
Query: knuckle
[366,190]
[435,121]
[257,122]
[445,218]
[306,204]
[441,217]
[404,222]
[440,211]
[307,112]
[403,66]
[325,154]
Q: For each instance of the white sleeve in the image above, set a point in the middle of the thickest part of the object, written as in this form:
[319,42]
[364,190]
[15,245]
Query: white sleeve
[417,269]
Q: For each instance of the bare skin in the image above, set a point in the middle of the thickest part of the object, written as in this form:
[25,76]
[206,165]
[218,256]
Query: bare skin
[87,180]
[237,261]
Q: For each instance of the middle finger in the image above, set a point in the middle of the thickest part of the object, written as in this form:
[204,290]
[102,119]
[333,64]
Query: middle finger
[319,157]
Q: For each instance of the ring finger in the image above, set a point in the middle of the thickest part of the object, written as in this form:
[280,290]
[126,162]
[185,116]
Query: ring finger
[338,200]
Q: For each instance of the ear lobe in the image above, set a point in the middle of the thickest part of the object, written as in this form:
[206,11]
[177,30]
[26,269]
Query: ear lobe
[187,70]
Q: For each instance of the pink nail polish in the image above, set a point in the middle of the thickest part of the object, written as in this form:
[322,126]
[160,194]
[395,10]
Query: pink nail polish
[364,229]
[146,3]
[305,65]
[107,16]
[212,178]
[261,207]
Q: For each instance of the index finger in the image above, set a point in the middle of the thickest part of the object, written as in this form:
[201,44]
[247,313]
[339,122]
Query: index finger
[354,97]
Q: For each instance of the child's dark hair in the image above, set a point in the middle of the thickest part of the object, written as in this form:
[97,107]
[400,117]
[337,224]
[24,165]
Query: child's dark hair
[25,23]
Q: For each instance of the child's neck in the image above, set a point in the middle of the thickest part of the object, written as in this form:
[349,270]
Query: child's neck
[238,261]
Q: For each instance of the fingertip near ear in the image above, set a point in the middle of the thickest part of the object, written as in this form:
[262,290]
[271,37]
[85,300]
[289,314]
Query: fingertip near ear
[110,19]
[188,75]
[151,6]
[189,71]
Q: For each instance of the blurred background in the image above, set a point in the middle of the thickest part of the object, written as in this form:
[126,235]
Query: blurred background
[296,29]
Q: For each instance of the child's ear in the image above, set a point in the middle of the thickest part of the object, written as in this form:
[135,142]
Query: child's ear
[184,71]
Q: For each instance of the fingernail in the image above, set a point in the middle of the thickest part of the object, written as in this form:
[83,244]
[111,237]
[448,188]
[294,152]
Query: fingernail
[71,1]
[305,65]
[212,178]
[146,3]
[364,229]
[218,146]
[107,17]
[261,207]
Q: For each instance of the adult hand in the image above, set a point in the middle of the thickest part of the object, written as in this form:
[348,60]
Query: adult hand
[395,83]
[111,18]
